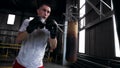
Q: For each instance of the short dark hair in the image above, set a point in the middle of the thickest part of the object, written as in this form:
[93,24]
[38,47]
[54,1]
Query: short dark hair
[43,2]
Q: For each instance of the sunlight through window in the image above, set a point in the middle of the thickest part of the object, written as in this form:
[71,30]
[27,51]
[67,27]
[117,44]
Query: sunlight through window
[11,19]
[82,24]
[117,48]
[117,45]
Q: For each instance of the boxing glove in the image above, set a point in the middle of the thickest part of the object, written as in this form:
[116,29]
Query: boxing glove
[51,26]
[34,24]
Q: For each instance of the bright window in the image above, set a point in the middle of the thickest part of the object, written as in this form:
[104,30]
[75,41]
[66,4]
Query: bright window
[117,45]
[82,24]
[11,19]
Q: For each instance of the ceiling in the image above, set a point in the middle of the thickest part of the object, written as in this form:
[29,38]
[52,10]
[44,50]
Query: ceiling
[29,6]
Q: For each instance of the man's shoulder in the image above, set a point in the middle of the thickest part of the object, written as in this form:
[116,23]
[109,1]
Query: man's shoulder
[26,21]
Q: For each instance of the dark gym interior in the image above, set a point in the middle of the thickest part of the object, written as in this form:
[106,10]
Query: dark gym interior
[88,35]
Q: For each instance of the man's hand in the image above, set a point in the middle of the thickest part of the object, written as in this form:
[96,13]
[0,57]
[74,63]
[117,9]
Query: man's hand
[53,43]
[34,24]
[51,26]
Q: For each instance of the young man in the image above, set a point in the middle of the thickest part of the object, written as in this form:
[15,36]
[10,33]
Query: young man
[34,36]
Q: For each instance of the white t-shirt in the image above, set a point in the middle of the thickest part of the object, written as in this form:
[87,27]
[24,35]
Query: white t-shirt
[33,48]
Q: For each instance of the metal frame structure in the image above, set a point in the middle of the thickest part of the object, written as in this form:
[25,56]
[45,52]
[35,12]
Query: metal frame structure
[70,14]
[99,12]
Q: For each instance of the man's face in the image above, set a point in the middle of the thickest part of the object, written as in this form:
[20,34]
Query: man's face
[44,11]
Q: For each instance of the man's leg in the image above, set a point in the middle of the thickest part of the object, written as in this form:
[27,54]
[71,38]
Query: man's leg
[17,65]
[41,67]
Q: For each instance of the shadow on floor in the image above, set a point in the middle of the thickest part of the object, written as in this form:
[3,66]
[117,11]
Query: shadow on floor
[53,65]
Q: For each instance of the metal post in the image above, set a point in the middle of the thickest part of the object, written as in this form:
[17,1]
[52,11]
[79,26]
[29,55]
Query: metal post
[64,46]
[100,9]
[64,62]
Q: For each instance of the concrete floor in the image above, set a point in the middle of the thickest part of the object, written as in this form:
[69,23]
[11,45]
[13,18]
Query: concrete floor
[47,65]
[7,63]
[53,65]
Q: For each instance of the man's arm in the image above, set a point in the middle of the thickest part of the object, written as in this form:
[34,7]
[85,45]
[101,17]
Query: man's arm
[33,24]
[21,36]
[51,26]
[53,43]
